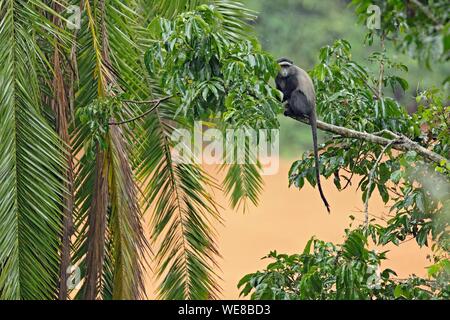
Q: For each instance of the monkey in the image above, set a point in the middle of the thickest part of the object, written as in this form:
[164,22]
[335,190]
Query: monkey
[299,99]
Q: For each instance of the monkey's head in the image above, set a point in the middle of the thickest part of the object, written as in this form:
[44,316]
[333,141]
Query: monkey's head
[285,65]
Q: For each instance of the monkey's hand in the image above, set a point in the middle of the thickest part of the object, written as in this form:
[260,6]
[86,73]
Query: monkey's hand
[287,111]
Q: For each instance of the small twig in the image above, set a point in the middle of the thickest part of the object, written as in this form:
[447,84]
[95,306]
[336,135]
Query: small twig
[381,75]
[156,103]
[374,91]
[378,217]
[371,175]
[349,180]
[148,101]
[137,117]
[386,131]
[426,281]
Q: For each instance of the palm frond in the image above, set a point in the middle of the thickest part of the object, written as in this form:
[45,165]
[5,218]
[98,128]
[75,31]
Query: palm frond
[111,243]
[243,182]
[170,8]
[237,18]
[31,160]
[60,106]
[183,216]
[92,174]
[129,244]
[95,254]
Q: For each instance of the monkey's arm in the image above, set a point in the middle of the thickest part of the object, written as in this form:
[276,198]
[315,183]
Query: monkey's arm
[278,83]
[281,85]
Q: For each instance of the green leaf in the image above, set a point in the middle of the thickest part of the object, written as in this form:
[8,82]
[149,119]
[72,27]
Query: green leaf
[307,249]
[396,176]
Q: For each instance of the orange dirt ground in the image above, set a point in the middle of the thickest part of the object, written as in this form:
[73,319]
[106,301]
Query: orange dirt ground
[285,220]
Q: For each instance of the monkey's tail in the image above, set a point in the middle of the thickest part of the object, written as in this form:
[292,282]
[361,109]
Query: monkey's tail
[313,123]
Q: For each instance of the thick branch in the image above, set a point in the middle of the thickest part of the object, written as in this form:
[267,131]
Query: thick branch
[404,144]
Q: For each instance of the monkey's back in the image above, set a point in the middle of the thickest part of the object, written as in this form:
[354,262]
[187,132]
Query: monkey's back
[306,86]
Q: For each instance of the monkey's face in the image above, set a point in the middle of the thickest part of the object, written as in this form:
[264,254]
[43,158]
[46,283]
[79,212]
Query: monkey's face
[284,72]
[285,69]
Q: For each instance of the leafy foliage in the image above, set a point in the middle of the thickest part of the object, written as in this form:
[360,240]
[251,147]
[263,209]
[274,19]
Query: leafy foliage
[83,95]
[350,270]
[341,81]
[215,75]
[110,245]
[183,215]
[218,77]
[183,210]
[420,29]
[352,96]
[362,106]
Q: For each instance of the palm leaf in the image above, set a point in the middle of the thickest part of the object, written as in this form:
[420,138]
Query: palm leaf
[183,216]
[60,106]
[31,160]
[128,242]
[243,183]
[170,8]
[111,248]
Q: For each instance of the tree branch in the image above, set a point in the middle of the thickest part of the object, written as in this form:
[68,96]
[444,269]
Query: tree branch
[405,144]
[381,75]
[428,13]
[156,103]
[149,101]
